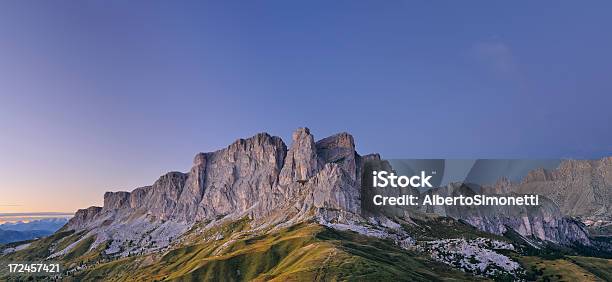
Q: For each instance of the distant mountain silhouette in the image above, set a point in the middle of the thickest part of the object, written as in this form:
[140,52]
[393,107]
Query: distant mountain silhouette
[9,236]
[20,231]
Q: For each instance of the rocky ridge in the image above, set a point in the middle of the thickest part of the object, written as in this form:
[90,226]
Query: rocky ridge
[580,188]
[256,177]
[476,256]
[274,186]
[545,222]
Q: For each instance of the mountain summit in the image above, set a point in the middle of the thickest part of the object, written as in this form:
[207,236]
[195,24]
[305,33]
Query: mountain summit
[257,191]
[256,177]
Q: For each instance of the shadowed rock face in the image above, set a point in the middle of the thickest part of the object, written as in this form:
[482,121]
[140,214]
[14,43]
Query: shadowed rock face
[545,221]
[580,188]
[301,162]
[339,149]
[255,175]
[241,177]
[260,177]
[83,217]
[116,200]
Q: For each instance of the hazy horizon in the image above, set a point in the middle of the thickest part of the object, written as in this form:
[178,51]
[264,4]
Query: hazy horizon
[108,96]
[29,217]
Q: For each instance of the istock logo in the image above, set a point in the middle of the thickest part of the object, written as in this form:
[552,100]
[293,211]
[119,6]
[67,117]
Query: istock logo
[383,179]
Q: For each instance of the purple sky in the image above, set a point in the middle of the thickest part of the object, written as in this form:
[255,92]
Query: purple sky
[108,95]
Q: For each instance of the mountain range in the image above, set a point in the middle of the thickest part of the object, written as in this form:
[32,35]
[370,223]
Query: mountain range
[8,236]
[21,230]
[258,210]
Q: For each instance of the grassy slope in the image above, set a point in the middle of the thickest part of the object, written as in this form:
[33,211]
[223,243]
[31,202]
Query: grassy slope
[306,252]
[600,267]
[39,249]
[67,241]
[573,268]
[436,228]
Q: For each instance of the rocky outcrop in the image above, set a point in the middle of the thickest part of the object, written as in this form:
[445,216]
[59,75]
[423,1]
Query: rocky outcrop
[580,188]
[193,191]
[83,218]
[116,200]
[242,177]
[339,149]
[476,256]
[302,161]
[138,197]
[333,188]
[259,177]
[163,196]
[544,221]
[255,176]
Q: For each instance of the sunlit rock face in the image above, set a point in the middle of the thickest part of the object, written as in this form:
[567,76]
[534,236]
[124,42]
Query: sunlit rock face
[261,178]
[581,188]
[301,162]
[255,177]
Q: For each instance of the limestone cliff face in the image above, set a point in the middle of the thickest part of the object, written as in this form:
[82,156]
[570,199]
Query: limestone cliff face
[254,176]
[545,221]
[241,177]
[340,149]
[116,200]
[82,218]
[260,177]
[302,161]
[192,193]
[581,188]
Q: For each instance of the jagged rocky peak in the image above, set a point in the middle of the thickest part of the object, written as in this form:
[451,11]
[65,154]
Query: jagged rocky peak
[333,188]
[257,146]
[371,157]
[241,176]
[341,140]
[199,160]
[228,180]
[574,170]
[327,170]
[261,178]
[504,181]
[539,174]
[573,167]
[116,200]
[502,186]
[138,196]
[255,174]
[164,194]
[340,149]
[193,191]
[581,188]
[301,162]
[83,217]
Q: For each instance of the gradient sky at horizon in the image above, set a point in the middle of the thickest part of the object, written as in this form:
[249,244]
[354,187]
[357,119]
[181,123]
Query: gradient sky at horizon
[109,95]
